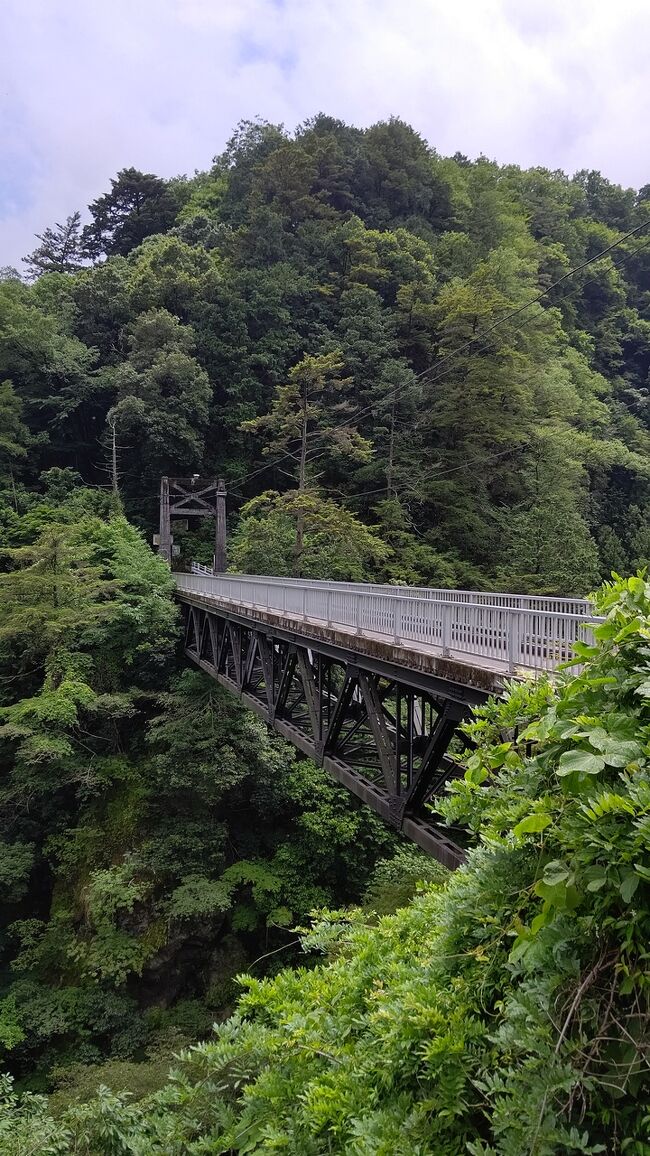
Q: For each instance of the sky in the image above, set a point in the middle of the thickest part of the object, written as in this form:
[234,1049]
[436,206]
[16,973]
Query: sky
[88,87]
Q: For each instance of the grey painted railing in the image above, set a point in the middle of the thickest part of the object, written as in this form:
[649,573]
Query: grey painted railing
[546,603]
[529,633]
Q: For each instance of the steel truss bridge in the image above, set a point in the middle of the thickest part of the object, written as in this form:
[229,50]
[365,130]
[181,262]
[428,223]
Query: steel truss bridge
[372,682]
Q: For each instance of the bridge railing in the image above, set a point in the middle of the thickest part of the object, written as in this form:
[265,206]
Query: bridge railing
[547,603]
[529,637]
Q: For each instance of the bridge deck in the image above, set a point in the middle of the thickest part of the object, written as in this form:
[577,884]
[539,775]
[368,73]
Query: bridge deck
[372,684]
[476,641]
[476,677]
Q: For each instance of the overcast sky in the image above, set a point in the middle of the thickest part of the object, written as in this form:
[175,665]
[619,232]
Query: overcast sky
[91,86]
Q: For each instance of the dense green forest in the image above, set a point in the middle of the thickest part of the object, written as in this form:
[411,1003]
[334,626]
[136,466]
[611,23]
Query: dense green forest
[361,271]
[407,368]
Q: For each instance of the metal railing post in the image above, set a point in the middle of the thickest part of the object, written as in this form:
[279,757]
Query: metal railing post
[446,628]
[328,603]
[359,612]
[512,629]
[397,621]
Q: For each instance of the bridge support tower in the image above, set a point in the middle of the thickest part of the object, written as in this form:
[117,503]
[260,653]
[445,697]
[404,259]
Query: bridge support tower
[194,497]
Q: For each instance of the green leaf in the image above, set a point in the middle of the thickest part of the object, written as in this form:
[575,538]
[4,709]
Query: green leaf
[607,803]
[633,627]
[596,883]
[521,947]
[583,650]
[619,754]
[582,761]
[566,729]
[476,772]
[596,877]
[599,738]
[532,825]
[571,897]
[605,631]
[539,921]
[499,754]
[279,917]
[555,872]
[629,886]
[561,895]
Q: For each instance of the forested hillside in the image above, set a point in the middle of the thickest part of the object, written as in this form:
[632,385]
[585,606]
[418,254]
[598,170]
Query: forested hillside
[407,368]
[363,272]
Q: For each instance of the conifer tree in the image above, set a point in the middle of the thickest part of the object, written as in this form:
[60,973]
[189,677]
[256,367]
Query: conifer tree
[138,205]
[60,250]
[307,418]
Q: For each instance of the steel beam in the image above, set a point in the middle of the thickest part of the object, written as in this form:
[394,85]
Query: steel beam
[464,696]
[363,725]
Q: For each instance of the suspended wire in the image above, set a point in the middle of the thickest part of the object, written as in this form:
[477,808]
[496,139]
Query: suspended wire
[441,473]
[534,300]
[454,469]
[478,339]
[436,471]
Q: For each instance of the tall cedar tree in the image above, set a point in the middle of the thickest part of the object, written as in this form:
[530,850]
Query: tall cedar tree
[60,250]
[138,205]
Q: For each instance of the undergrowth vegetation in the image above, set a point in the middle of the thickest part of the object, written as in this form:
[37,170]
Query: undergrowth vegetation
[155,838]
[502,1011]
[408,368]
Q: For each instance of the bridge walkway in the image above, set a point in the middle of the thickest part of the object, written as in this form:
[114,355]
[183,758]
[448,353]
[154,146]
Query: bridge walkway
[499,634]
[372,682]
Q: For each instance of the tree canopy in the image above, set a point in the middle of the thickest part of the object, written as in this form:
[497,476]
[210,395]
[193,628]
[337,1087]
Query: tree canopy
[502,1011]
[487,416]
[408,368]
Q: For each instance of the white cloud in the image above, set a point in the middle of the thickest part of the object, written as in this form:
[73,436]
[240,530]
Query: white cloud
[89,87]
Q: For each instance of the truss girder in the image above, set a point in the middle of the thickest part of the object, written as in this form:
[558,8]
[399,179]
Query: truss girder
[383,737]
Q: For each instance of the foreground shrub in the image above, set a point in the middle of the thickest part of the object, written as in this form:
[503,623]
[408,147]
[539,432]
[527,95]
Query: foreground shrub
[502,1012]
